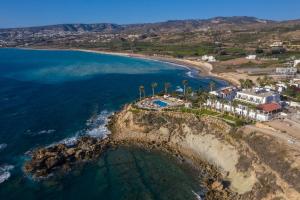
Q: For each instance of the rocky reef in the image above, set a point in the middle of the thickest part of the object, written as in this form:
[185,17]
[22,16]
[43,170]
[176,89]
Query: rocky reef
[61,157]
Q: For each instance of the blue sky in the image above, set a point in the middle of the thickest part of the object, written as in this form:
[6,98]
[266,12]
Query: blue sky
[18,13]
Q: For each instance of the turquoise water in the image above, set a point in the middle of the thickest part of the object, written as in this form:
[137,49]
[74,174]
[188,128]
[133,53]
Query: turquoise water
[54,96]
[160,103]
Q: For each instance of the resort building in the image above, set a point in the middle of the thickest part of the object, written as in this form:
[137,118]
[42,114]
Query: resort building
[265,103]
[257,96]
[264,112]
[287,71]
[227,93]
[208,58]
[251,57]
[296,63]
[276,44]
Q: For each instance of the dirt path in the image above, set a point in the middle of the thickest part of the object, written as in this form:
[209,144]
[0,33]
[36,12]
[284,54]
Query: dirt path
[284,137]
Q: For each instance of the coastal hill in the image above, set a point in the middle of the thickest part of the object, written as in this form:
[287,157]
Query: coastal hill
[168,26]
[255,165]
[231,161]
[176,37]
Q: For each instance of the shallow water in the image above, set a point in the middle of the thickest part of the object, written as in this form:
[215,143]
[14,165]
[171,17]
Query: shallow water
[53,96]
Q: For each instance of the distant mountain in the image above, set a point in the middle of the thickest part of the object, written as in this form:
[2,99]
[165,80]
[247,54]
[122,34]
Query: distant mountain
[102,27]
[175,37]
[173,25]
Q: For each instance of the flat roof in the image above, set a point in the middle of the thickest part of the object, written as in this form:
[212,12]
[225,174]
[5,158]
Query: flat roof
[259,93]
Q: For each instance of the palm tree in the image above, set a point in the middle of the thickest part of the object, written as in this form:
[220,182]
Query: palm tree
[153,86]
[248,83]
[184,83]
[213,99]
[242,82]
[266,80]
[189,90]
[167,86]
[142,91]
[234,105]
[259,81]
[212,85]
[202,98]
[222,101]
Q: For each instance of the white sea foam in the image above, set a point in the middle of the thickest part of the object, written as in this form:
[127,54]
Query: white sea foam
[5,172]
[46,132]
[192,74]
[42,132]
[189,74]
[97,125]
[3,146]
[69,141]
[198,197]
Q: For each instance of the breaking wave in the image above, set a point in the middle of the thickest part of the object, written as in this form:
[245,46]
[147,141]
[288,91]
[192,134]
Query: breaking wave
[5,172]
[42,132]
[197,196]
[193,74]
[96,127]
[69,141]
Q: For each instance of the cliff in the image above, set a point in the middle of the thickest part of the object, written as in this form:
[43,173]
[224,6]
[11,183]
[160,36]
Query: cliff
[232,151]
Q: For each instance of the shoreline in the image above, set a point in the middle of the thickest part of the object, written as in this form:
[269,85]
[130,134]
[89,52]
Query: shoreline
[203,68]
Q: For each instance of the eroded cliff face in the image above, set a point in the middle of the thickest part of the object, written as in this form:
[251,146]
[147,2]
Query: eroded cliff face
[208,139]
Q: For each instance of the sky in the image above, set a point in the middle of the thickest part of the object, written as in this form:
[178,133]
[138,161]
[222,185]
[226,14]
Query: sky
[24,13]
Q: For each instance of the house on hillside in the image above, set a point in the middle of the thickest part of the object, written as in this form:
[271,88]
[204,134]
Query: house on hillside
[251,57]
[208,58]
[286,71]
[296,63]
[276,44]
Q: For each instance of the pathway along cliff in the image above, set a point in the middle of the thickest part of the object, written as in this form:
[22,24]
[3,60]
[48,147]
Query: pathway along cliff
[235,164]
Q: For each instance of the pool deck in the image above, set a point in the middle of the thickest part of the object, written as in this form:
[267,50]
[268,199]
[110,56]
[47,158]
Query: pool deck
[151,102]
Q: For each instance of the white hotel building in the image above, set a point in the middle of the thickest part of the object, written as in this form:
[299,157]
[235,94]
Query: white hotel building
[266,103]
[257,96]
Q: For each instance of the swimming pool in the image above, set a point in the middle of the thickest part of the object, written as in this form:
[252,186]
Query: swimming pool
[160,103]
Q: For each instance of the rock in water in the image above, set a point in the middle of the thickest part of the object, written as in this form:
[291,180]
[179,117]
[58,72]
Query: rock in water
[45,161]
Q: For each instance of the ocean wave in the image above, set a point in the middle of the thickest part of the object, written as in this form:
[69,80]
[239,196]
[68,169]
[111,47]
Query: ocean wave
[3,146]
[192,74]
[97,125]
[5,172]
[69,141]
[42,132]
[197,196]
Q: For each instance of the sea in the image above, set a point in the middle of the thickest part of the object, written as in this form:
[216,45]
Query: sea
[56,96]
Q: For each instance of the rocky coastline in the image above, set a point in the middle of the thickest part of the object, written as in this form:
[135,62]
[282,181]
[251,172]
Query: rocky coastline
[232,162]
[62,157]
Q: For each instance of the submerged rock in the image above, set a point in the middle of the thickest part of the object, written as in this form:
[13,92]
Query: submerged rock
[45,161]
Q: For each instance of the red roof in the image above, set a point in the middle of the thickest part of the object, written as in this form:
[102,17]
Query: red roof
[269,107]
[226,91]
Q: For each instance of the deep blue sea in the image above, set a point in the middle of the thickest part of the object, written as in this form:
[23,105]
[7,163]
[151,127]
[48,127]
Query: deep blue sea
[54,96]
